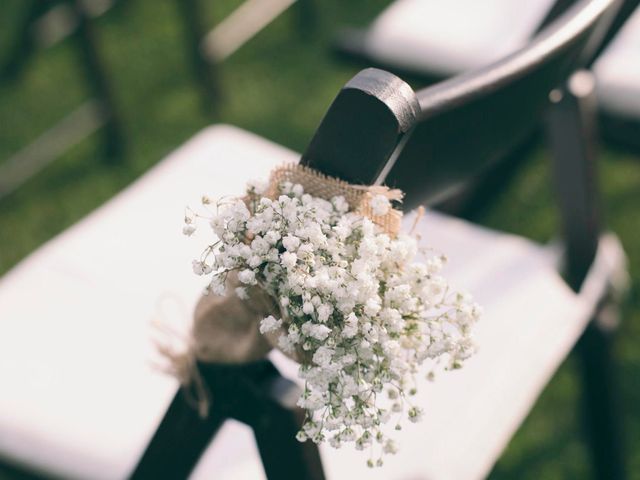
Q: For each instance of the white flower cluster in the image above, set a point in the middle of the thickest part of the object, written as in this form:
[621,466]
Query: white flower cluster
[354,304]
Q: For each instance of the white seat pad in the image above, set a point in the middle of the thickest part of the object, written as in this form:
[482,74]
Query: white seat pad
[80,398]
[453,36]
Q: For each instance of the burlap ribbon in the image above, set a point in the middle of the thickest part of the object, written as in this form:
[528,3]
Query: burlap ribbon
[225,328]
[322,186]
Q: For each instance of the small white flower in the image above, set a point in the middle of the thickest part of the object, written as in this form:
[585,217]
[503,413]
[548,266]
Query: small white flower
[307,308]
[188,229]
[340,204]
[272,237]
[415,414]
[286,343]
[217,225]
[260,246]
[372,307]
[390,447]
[350,328]
[269,324]
[200,268]
[323,356]
[320,332]
[241,292]
[216,286]
[256,187]
[289,259]
[324,311]
[255,261]
[247,276]
[314,330]
[380,205]
[297,190]
[291,243]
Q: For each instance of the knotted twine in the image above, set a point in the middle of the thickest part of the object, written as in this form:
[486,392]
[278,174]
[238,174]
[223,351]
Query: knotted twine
[225,328]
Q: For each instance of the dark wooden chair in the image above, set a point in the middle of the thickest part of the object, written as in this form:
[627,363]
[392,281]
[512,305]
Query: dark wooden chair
[44,24]
[373,133]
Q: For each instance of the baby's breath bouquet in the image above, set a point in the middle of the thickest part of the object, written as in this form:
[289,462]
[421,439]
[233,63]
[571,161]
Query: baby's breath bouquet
[359,307]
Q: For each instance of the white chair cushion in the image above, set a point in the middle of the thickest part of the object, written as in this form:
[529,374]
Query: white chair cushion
[618,72]
[80,398]
[453,36]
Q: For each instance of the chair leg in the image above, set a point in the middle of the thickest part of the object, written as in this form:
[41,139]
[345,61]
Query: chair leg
[571,127]
[98,79]
[178,442]
[283,456]
[255,394]
[275,429]
[266,401]
[24,44]
[600,401]
[203,69]
[261,398]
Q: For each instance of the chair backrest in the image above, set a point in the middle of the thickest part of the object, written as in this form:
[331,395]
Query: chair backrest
[473,120]
[374,132]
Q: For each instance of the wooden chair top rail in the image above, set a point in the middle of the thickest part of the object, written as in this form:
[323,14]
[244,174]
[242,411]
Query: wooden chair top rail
[433,142]
[470,122]
[582,28]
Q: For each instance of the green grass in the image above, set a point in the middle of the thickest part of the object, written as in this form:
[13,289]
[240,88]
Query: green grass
[279,87]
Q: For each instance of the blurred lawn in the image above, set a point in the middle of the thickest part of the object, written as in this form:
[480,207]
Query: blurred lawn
[279,87]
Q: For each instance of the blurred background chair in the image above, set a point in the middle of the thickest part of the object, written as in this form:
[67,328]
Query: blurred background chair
[91,424]
[432,40]
[44,24]
[208,48]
